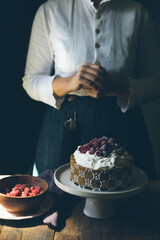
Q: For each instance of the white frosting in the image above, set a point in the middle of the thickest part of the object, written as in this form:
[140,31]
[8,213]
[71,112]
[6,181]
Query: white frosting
[96,162]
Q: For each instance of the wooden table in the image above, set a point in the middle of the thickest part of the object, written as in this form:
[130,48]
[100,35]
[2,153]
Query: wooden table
[137,218]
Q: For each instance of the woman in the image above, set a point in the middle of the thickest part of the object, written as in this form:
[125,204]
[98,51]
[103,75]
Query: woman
[105,61]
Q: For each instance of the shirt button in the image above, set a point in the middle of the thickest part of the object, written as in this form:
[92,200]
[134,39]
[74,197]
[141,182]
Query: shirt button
[98,16]
[97,45]
[97,31]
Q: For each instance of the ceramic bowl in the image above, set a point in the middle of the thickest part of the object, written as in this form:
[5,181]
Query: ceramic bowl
[17,204]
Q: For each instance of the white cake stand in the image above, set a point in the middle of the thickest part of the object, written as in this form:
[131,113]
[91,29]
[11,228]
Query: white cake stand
[99,204]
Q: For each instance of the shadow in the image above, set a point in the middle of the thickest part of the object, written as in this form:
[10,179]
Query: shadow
[23,223]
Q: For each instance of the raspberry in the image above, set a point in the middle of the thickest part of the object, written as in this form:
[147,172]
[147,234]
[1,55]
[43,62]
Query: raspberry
[104,138]
[80,148]
[32,188]
[86,146]
[37,189]
[91,151]
[84,151]
[98,153]
[103,142]
[8,194]
[22,187]
[103,147]
[95,144]
[111,140]
[104,153]
[91,141]
[15,188]
[18,185]
[95,139]
[24,194]
[27,189]
[16,193]
[31,194]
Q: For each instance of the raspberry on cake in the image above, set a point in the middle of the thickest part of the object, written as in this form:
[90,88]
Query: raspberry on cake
[101,165]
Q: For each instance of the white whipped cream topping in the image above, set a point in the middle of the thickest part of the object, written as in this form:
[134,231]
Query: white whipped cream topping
[96,162]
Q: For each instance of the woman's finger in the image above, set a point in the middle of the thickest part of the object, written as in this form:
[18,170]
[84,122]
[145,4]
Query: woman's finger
[93,79]
[88,83]
[92,74]
[92,92]
[94,69]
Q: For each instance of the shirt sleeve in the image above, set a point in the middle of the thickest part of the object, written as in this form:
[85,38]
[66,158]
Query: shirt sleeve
[37,80]
[146,86]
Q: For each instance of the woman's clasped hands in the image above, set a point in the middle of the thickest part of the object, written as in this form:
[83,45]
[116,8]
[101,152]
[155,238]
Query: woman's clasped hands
[94,80]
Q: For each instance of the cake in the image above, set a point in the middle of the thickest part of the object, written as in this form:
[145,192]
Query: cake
[101,165]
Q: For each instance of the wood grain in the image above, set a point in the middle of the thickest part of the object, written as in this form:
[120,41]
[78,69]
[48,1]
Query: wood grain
[37,233]
[9,233]
[1,227]
[137,218]
[33,233]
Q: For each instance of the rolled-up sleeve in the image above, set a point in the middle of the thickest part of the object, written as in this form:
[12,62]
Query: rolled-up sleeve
[38,77]
[146,86]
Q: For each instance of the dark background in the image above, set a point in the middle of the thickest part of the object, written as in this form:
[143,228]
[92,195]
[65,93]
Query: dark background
[20,116]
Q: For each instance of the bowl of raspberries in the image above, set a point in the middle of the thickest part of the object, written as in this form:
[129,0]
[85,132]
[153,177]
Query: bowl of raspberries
[20,194]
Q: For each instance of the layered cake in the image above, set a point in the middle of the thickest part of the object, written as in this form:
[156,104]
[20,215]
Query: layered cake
[101,165]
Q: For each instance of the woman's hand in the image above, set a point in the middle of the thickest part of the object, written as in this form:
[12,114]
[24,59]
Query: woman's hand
[95,81]
[104,84]
[90,77]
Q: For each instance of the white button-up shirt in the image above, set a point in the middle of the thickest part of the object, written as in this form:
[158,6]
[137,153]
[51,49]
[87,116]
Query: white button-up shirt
[68,33]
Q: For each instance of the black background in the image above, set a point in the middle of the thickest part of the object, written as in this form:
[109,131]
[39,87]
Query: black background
[20,116]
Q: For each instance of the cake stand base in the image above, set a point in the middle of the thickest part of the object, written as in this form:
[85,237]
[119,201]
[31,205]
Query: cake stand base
[99,208]
[100,204]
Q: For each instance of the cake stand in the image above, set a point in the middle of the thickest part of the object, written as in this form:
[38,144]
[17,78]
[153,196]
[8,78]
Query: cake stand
[99,204]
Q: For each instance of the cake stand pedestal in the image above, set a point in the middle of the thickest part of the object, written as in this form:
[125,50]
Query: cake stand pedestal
[99,204]
[99,208]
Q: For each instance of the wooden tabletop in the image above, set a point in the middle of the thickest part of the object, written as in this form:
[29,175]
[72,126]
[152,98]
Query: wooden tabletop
[137,218]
